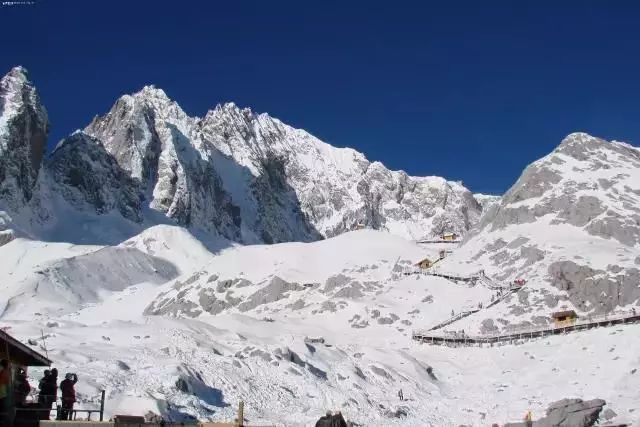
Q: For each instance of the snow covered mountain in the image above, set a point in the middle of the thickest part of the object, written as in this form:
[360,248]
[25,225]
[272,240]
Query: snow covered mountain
[255,179]
[146,247]
[23,136]
[243,176]
[570,226]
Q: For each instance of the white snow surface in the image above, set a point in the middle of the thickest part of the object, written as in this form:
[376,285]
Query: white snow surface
[352,293]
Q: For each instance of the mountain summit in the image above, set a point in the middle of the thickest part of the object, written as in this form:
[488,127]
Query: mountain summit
[243,176]
[23,134]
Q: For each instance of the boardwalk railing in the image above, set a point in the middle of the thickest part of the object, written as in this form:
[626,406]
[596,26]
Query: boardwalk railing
[527,332]
[455,318]
[469,311]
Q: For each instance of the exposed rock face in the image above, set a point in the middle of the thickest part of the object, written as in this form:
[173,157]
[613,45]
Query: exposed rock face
[570,226]
[150,138]
[586,182]
[276,183]
[569,413]
[23,134]
[598,289]
[573,412]
[244,176]
[107,188]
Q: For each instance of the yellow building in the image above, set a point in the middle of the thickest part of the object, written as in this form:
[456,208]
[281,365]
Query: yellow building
[425,263]
[564,318]
[449,236]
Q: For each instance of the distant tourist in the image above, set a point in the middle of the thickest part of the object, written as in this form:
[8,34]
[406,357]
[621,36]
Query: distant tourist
[48,389]
[21,388]
[325,421]
[400,395]
[5,385]
[68,396]
[528,419]
[42,387]
[337,420]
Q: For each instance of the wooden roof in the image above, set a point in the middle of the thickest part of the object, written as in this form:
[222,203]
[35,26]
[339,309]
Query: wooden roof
[565,313]
[20,353]
[423,260]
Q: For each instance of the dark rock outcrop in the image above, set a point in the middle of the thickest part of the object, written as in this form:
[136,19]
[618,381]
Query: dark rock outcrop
[24,128]
[569,413]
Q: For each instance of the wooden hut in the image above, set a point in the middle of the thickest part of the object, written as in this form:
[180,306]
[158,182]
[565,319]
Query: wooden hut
[425,263]
[20,354]
[564,318]
[449,237]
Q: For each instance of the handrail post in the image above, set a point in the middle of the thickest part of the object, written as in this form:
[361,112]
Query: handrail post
[240,413]
[102,406]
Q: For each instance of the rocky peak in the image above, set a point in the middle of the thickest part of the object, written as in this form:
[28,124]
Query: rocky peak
[586,182]
[24,127]
[586,148]
[571,220]
[248,177]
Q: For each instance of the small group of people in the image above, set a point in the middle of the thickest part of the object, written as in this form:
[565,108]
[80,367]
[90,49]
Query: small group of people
[332,420]
[47,390]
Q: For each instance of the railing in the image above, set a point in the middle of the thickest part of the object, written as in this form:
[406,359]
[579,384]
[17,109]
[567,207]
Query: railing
[455,318]
[33,405]
[524,330]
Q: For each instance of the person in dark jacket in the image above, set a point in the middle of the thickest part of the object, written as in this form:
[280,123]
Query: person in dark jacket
[5,388]
[337,420]
[48,389]
[42,387]
[21,388]
[325,421]
[68,396]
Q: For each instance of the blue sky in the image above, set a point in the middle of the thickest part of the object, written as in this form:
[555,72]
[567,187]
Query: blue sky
[468,90]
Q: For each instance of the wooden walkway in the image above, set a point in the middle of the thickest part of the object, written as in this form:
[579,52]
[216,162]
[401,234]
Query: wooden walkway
[455,318]
[437,273]
[466,313]
[521,334]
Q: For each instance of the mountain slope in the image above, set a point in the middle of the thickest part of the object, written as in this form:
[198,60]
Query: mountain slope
[347,290]
[570,226]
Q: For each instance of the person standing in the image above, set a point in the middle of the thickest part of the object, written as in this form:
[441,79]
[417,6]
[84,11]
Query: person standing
[68,396]
[48,390]
[326,420]
[528,419]
[400,395]
[42,387]
[337,420]
[5,389]
[21,388]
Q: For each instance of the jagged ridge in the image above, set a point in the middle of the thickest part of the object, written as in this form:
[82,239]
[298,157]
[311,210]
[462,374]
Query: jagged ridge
[243,176]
